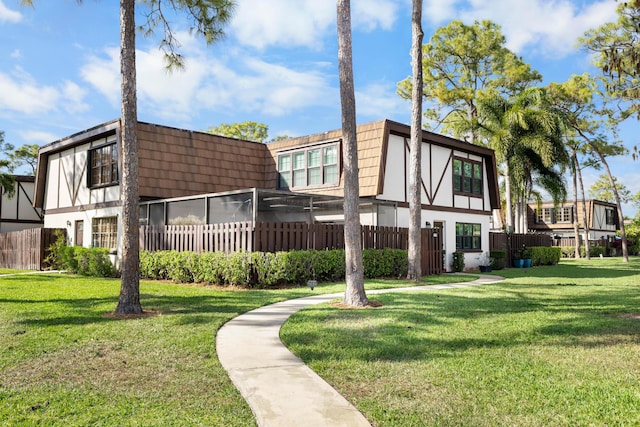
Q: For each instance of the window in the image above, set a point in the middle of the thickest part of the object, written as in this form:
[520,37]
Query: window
[468,236]
[103,162]
[609,216]
[309,167]
[104,232]
[544,215]
[564,214]
[467,177]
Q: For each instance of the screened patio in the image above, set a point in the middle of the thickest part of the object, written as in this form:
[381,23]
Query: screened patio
[260,205]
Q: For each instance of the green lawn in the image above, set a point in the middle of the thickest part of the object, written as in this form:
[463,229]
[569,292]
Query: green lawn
[63,362]
[549,346]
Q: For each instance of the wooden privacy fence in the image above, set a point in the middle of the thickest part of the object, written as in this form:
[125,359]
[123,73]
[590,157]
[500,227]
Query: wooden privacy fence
[511,243]
[26,249]
[276,237]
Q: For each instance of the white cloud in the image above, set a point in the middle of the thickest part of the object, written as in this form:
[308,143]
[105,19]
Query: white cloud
[104,75]
[291,23]
[37,137]
[23,94]
[551,27]
[16,54]
[379,101]
[235,82]
[8,15]
[20,93]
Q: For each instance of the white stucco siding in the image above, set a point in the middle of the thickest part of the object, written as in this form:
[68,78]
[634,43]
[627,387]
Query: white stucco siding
[395,174]
[449,219]
[476,203]
[67,179]
[68,222]
[52,184]
[83,195]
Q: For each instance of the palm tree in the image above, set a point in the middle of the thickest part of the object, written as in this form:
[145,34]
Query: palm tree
[526,133]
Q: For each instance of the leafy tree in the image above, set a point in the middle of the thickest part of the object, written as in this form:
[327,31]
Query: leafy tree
[26,155]
[248,131]
[354,294]
[460,62]
[601,190]
[7,180]
[617,48]
[526,133]
[415,160]
[587,121]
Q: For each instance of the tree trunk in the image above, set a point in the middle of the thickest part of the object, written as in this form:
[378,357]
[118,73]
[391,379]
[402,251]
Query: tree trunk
[354,277]
[508,215]
[129,300]
[415,173]
[576,224]
[623,233]
[587,245]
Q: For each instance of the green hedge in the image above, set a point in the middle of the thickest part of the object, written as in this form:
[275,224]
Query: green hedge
[545,255]
[85,261]
[594,251]
[264,269]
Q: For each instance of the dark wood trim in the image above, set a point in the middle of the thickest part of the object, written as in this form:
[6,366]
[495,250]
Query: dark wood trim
[447,209]
[83,208]
[383,157]
[20,221]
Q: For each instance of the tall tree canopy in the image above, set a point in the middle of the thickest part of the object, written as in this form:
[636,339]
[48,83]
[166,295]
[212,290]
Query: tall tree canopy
[25,155]
[601,190]
[617,48]
[461,61]
[248,131]
[7,181]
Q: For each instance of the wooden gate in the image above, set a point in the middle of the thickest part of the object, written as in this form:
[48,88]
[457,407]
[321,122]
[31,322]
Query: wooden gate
[431,257]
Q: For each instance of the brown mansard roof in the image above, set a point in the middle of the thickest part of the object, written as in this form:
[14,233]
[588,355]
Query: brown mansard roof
[176,162]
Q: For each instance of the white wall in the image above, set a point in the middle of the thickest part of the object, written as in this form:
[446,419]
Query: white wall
[68,222]
[66,181]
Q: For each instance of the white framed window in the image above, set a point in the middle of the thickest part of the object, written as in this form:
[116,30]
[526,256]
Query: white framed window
[312,166]
[104,232]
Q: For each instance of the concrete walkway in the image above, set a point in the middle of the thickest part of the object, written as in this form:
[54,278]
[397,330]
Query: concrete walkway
[280,389]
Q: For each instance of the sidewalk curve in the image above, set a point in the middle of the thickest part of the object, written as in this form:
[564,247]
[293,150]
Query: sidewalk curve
[280,389]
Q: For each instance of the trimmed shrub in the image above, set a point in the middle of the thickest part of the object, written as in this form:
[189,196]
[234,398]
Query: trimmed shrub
[545,255]
[265,270]
[457,261]
[498,259]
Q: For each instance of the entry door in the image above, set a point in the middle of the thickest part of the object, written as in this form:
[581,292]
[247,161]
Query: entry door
[79,232]
[440,225]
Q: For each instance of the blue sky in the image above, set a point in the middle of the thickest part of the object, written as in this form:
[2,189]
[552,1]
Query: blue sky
[59,64]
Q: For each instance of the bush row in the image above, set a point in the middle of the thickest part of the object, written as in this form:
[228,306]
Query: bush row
[545,255]
[263,270]
[594,251]
[85,261]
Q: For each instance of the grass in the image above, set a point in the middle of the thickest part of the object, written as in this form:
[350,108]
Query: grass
[65,363]
[548,346]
